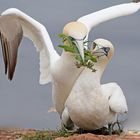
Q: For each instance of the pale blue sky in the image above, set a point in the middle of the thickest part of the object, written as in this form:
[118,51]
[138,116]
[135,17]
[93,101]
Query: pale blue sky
[24,103]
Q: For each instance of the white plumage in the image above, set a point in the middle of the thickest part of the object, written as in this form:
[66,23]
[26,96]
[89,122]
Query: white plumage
[101,16]
[53,68]
[91,105]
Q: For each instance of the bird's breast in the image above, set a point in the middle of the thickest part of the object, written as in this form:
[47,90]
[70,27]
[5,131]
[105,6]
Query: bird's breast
[64,75]
[90,113]
[87,106]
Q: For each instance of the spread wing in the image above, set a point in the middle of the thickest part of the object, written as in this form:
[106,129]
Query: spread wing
[101,16]
[15,24]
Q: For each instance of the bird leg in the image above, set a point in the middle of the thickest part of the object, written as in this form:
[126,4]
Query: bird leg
[119,126]
[70,129]
[110,128]
[115,127]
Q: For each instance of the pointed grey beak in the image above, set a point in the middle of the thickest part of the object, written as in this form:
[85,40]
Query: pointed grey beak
[80,46]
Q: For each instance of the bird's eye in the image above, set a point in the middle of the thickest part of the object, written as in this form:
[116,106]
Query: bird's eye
[94,45]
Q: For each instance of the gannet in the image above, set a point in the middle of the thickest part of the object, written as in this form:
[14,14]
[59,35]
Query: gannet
[91,105]
[14,24]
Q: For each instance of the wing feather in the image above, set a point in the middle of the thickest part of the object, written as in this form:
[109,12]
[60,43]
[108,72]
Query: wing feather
[3,52]
[14,24]
[11,35]
[115,96]
[96,18]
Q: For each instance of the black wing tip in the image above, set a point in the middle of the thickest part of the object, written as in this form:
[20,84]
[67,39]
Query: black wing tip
[9,70]
[136,1]
[10,78]
[10,45]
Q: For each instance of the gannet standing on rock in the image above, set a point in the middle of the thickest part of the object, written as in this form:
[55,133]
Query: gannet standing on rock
[91,105]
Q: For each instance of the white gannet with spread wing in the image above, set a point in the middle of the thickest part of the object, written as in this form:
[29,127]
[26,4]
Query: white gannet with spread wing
[14,24]
[91,105]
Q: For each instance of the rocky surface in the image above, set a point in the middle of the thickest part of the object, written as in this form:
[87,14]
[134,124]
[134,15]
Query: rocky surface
[17,134]
[14,134]
[124,136]
[101,137]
